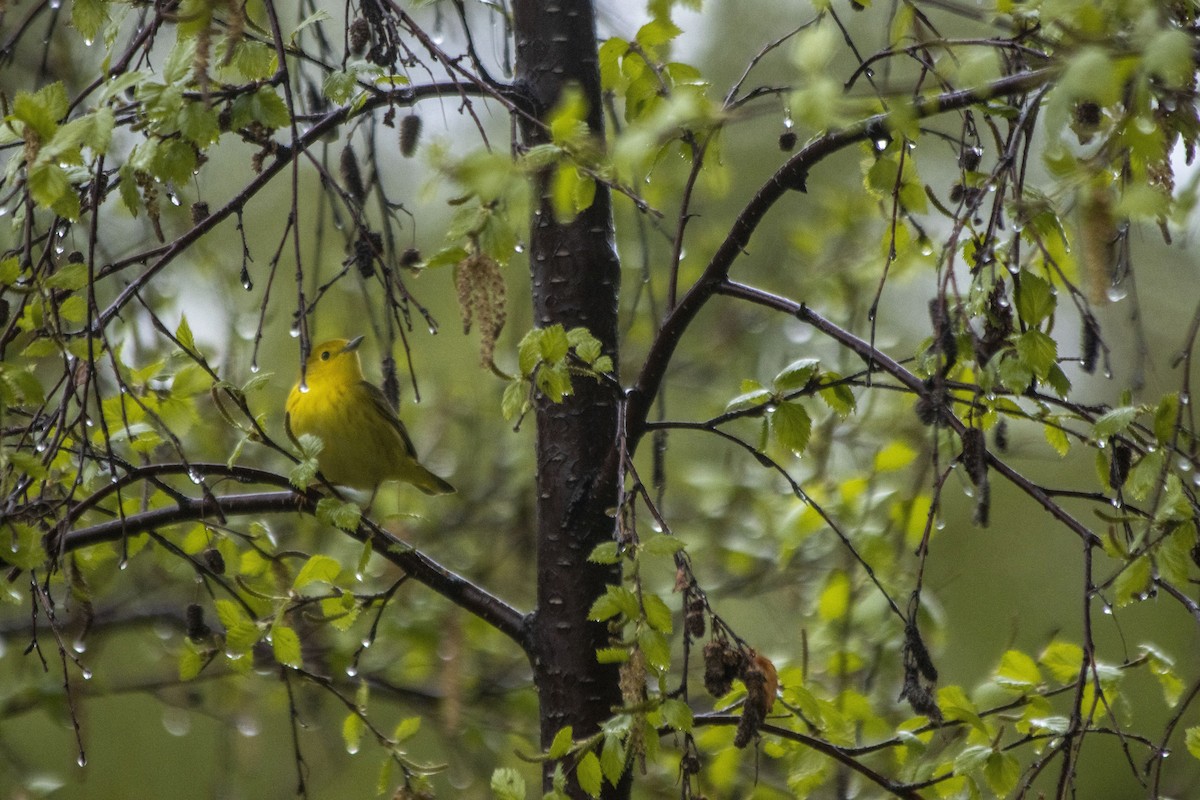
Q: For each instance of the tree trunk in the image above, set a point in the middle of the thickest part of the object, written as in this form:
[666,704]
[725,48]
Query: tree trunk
[576,281]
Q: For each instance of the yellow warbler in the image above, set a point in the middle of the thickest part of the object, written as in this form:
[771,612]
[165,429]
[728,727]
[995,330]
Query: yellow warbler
[365,442]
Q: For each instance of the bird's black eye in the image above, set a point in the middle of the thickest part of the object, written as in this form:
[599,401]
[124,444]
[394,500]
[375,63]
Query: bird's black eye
[324,355]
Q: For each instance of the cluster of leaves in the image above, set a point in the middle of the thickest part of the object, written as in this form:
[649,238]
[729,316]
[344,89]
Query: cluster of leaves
[1109,88]
[547,359]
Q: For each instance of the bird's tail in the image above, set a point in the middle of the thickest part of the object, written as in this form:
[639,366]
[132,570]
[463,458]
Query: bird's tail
[429,483]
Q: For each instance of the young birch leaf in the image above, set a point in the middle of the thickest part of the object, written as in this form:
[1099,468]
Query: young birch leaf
[612,759]
[562,742]
[1192,739]
[589,774]
[1018,671]
[507,784]
[658,615]
[792,427]
[1056,437]
[1114,422]
[1035,300]
[286,645]
[677,714]
[1061,659]
[317,568]
[796,375]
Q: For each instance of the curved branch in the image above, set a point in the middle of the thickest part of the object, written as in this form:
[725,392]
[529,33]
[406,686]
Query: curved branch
[790,176]
[450,585]
[821,746]
[886,363]
[326,124]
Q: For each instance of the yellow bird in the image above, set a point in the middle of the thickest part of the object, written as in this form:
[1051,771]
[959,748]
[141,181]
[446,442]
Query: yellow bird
[365,442]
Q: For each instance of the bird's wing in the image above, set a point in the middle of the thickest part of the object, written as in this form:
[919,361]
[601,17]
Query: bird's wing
[387,412]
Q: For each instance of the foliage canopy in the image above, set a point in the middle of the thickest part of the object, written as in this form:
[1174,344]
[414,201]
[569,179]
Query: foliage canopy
[879,381]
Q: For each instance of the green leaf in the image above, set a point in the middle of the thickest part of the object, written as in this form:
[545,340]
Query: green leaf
[658,615]
[955,705]
[972,759]
[656,33]
[1192,739]
[553,344]
[1062,659]
[1035,299]
[344,515]
[339,87]
[1174,555]
[834,600]
[303,474]
[791,426]
[41,110]
[571,191]
[894,456]
[605,553]
[23,545]
[507,784]
[1133,582]
[241,632]
[1168,56]
[1038,352]
[1165,417]
[838,396]
[567,121]
[174,160]
[264,107]
[515,399]
[529,352]
[73,309]
[1163,668]
[563,741]
[656,648]
[1057,438]
[318,568]
[1001,771]
[315,18]
[612,655]
[1091,75]
[751,399]
[677,714]
[10,271]
[1017,670]
[589,774]
[554,381]
[796,375]
[257,62]
[662,544]
[88,16]
[1114,422]
[199,123]
[69,276]
[604,608]
[286,645]
[612,758]
[190,662]
[184,334]
[1145,477]
[51,188]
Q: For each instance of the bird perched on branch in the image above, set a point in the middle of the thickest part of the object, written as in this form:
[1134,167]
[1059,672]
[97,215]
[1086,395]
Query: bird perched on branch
[365,442]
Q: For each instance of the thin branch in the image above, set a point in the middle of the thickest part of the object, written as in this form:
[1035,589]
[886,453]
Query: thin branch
[450,585]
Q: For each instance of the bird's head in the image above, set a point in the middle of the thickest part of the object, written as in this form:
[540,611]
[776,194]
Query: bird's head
[335,361]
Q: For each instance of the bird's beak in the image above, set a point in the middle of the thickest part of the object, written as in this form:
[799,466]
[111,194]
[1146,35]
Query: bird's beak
[353,344]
